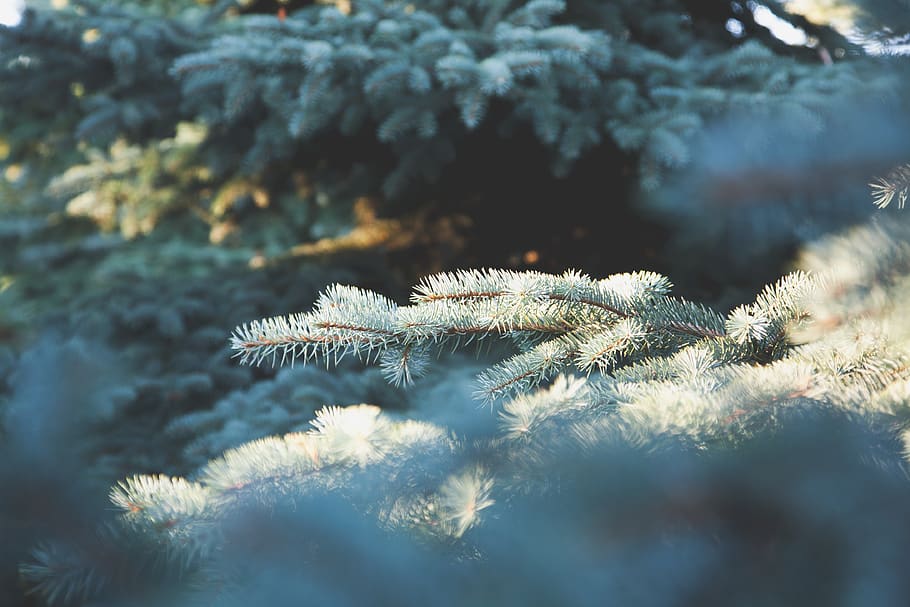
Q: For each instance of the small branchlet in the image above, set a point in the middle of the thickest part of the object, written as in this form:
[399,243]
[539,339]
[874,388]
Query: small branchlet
[896,185]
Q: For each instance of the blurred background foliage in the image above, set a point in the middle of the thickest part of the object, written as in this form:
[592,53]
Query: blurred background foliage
[170,169]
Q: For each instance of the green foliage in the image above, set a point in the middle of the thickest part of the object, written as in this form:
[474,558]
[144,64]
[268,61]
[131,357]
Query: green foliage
[417,79]
[626,429]
[686,379]
[103,67]
[420,77]
[556,322]
[285,403]
[131,187]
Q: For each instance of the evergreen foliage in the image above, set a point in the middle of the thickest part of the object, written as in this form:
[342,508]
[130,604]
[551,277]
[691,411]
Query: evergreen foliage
[829,353]
[350,92]
[634,448]
[107,61]
[130,188]
[422,76]
[285,403]
[660,87]
[557,322]
[417,78]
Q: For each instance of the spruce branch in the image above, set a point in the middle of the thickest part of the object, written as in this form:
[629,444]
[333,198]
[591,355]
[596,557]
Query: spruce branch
[556,322]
